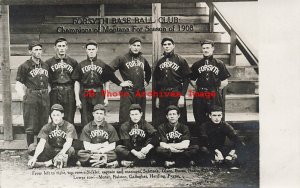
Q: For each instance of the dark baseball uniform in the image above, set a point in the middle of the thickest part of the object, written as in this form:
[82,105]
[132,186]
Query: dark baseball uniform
[213,136]
[36,104]
[97,134]
[55,136]
[171,79]
[92,74]
[169,134]
[208,73]
[135,68]
[135,136]
[62,86]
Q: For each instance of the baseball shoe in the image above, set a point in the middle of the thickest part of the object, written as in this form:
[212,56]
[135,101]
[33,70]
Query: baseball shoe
[113,164]
[192,163]
[127,163]
[169,164]
[78,163]
[153,162]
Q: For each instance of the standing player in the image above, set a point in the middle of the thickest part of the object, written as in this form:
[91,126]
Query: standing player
[61,68]
[211,76]
[212,139]
[135,69]
[99,140]
[171,79]
[54,147]
[32,86]
[89,76]
[138,138]
[175,148]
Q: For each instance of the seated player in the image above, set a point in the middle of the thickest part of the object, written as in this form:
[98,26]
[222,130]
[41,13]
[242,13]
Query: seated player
[99,140]
[138,138]
[212,139]
[54,146]
[175,148]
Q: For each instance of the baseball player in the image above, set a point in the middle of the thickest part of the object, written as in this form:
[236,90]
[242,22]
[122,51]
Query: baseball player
[99,140]
[175,148]
[212,139]
[138,138]
[134,69]
[171,79]
[61,67]
[90,76]
[54,146]
[32,86]
[211,76]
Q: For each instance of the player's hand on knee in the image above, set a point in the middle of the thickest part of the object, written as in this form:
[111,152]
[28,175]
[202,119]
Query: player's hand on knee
[181,102]
[31,162]
[126,83]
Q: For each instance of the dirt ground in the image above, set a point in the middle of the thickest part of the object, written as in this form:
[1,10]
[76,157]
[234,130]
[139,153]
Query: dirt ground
[14,174]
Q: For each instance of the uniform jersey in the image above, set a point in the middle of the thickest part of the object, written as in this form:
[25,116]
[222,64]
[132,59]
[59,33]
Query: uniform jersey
[133,67]
[214,135]
[93,134]
[33,76]
[137,134]
[60,70]
[94,73]
[168,134]
[170,71]
[209,72]
[56,135]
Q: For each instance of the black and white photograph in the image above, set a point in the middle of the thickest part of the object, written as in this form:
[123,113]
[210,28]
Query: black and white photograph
[128,93]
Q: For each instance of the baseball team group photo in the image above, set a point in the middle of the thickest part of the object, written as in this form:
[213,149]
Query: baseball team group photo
[184,98]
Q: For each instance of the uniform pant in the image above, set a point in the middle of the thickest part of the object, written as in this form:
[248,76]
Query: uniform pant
[159,116]
[180,158]
[84,156]
[202,106]
[36,107]
[65,96]
[50,152]
[89,98]
[133,97]
[124,153]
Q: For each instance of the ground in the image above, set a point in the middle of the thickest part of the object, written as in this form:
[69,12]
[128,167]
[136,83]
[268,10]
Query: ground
[14,173]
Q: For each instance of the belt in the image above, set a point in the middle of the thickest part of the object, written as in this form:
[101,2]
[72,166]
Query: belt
[207,89]
[62,87]
[133,88]
[94,89]
[37,90]
[170,88]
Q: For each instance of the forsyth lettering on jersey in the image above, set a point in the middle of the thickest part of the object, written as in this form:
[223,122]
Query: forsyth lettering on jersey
[89,68]
[38,71]
[134,63]
[173,135]
[99,133]
[209,68]
[169,64]
[57,133]
[139,132]
[62,65]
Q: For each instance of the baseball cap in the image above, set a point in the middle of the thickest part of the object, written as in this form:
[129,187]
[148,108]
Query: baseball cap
[57,107]
[33,44]
[60,39]
[207,42]
[98,107]
[134,39]
[135,107]
[172,107]
[167,39]
[216,108]
[91,42]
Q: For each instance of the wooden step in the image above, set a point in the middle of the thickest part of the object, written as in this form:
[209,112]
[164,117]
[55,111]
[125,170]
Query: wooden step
[112,50]
[70,19]
[234,103]
[128,28]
